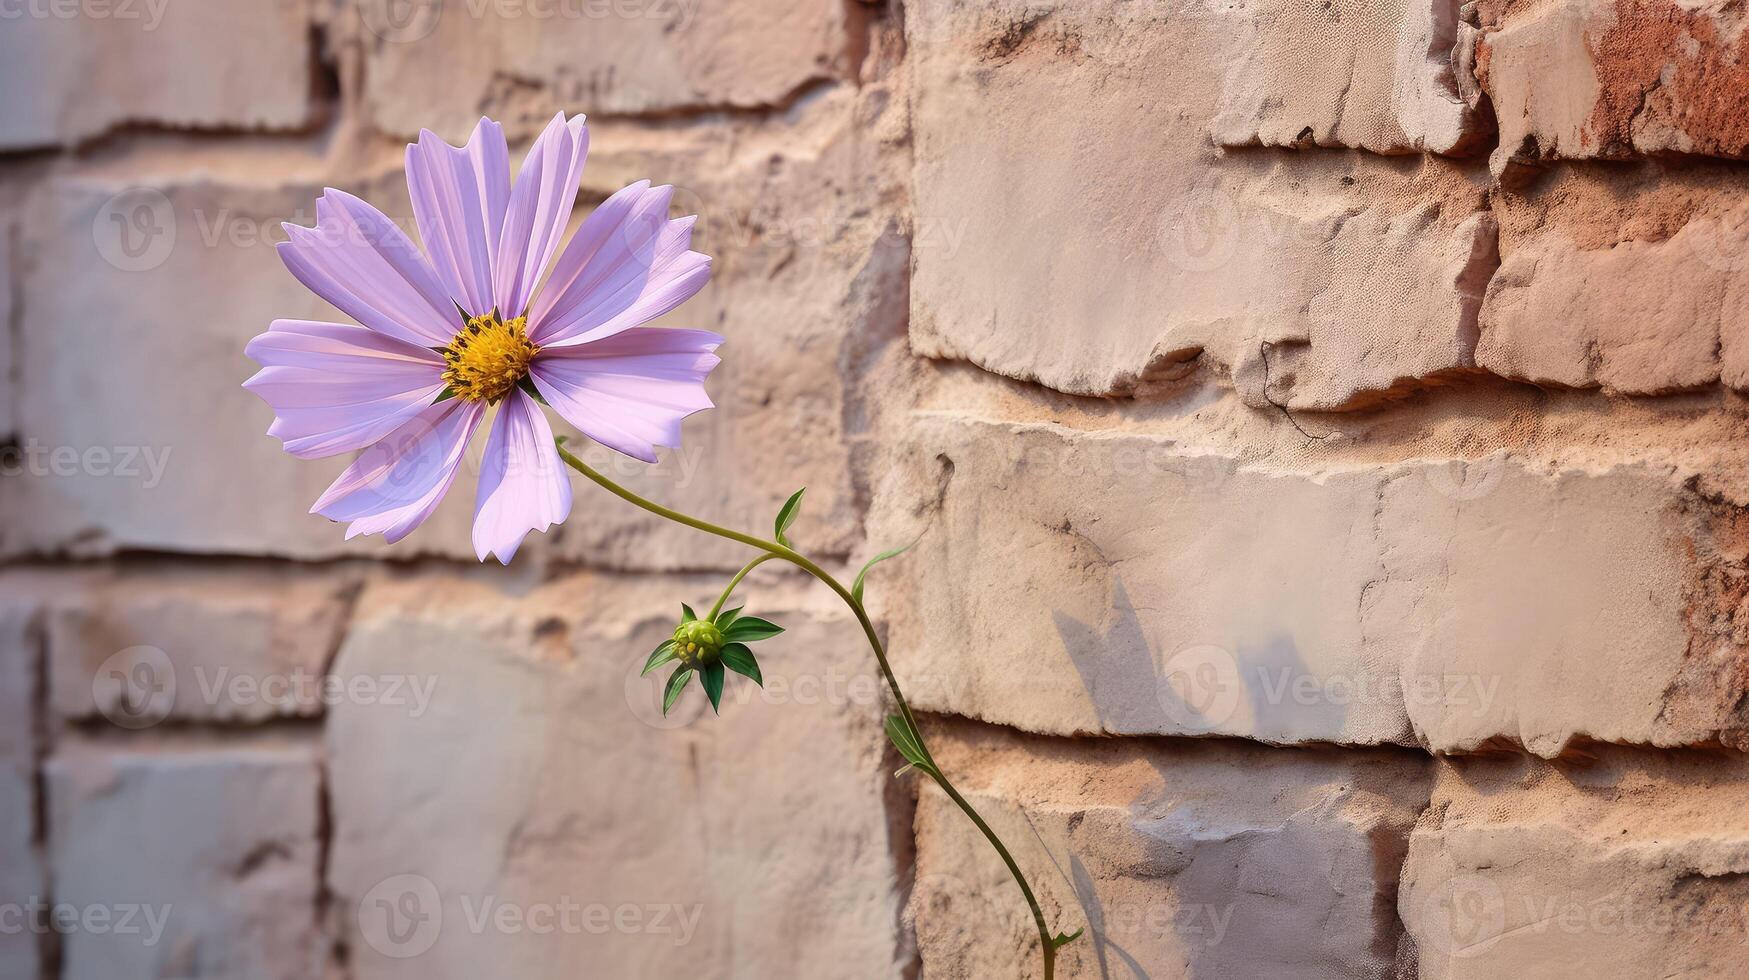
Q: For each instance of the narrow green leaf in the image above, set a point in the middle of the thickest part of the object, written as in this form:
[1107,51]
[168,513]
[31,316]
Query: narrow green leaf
[724,619]
[712,678]
[445,395]
[741,660]
[1063,939]
[787,515]
[663,653]
[908,742]
[686,613]
[676,684]
[856,589]
[749,629]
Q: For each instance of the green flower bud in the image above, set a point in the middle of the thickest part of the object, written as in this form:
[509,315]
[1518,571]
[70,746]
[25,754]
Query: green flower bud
[698,643]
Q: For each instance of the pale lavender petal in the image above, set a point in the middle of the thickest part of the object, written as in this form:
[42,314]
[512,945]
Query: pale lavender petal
[459,197]
[395,484]
[356,259]
[335,388]
[523,484]
[629,391]
[628,264]
[540,206]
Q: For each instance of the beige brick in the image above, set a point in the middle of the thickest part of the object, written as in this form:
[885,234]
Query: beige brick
[1585,79]
[1054,245]
[808,279]
[439,65]
[1627,281]
[1625,865]
[542,778]
[91,65]
[1109,582]
[220,845]
[1207,859]
[134,425]
[21,874]
[1376,75]
[224,646]
[808,274]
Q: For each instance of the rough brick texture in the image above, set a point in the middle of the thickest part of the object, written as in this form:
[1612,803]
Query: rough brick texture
[1320,428]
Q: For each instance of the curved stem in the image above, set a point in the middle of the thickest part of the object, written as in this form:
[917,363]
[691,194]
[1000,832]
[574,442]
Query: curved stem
[730,588]
[773,549]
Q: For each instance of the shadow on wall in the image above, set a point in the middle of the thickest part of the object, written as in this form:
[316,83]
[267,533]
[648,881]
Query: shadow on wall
[1250,690]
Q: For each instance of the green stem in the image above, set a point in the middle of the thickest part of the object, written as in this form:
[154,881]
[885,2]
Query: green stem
[773,549]
[730,588]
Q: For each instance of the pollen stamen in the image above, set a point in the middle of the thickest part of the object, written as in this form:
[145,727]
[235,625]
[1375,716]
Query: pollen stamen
[488,357]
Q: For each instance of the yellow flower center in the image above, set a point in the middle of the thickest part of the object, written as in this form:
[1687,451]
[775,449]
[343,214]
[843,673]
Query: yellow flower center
[488,357]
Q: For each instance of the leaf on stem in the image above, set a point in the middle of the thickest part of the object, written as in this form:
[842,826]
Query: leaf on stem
[856,588]
[910,745]
[712,678]
[676,684]
[686,613]
[1063,939]
[662,654]
[739,659]
[724,619]
[787,515]
[749,629]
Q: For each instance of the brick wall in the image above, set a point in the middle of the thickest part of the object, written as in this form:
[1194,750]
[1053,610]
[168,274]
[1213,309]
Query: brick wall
[1322,425]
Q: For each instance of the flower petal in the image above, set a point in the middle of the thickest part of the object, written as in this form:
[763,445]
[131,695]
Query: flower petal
[335,388]
[356,259]
[626,266]
[394,485]
[459,198]
[540,206]
[523,484]
[630,391]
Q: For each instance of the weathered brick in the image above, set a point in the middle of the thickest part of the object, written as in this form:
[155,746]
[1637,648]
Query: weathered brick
[543,776]
[215,851]
[1626,865]
[21,875]
[1207,859]
[1122,583]
[163,395]
[1628,282]
[233,645]
[1315,282]
[436,65]
[81,67]
[1584,79]
[1376,75]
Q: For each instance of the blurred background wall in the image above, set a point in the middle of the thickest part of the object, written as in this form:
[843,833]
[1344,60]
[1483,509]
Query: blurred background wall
[1322,424]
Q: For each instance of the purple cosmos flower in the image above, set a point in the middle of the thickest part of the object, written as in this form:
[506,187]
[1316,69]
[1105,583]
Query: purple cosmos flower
[461,328]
